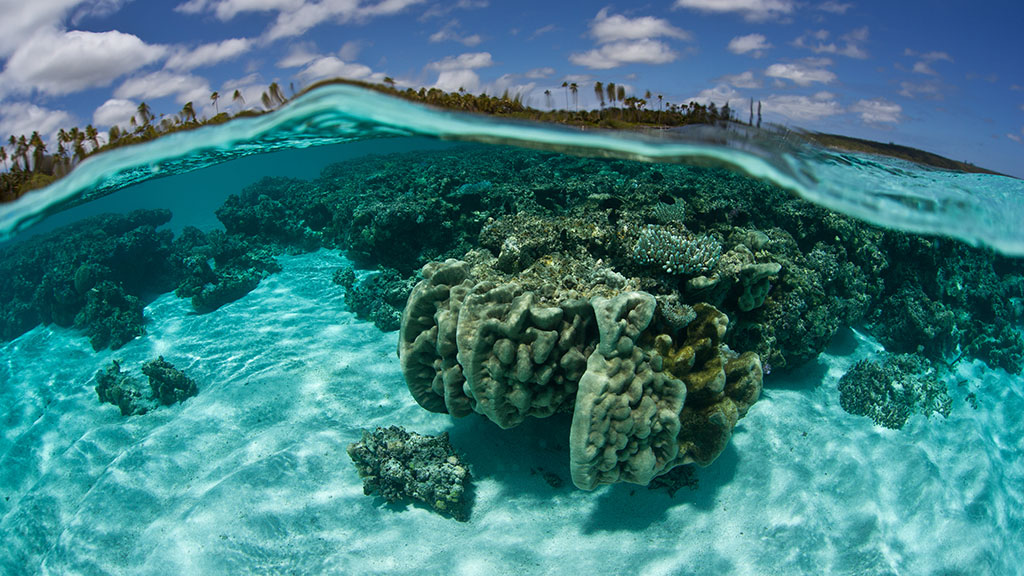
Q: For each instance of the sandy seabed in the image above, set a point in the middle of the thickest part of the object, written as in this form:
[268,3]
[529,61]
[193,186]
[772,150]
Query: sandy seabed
[251,475]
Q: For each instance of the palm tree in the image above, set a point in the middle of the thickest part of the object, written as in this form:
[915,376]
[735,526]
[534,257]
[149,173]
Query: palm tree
[659,109]
[92,135]
[275,94]
[575,98]
[389,81]
[599,92]
[566,86]
[145,113]
[3,156]
[267,102]
[62,139]
[188,113]
[611,93]
[214,97]
[547,99]
[38,150]
[23,151]
[13,141]
[237,98]
[77,138]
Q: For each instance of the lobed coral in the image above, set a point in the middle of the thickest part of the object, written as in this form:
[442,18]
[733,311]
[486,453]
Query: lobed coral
[649,390]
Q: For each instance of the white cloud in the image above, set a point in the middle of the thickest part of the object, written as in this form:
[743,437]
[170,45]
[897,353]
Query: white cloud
[450,31]
[834,7]
[295,21]
[115,112]
[208,54]
[742,80]
[924,64]
[298,56]
[65,62]
[850,43]
[611,28]
[22,20]
[929,89]
[19,118]
[616,54]
[754,10]
[719,95]
[350,50]
[755,43]
[803,108]
[802,74]
[540,72]
[184,87]
[454,80]
[466,61]
[1014,137]
[878,111]
[332,67]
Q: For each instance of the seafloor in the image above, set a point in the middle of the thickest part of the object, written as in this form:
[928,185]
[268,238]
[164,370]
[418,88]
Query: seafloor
[909,464]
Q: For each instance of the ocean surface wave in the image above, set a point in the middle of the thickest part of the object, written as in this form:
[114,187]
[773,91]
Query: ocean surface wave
[980,209]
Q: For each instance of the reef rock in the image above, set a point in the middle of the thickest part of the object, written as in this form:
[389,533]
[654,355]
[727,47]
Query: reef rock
[650,383]
[402,465]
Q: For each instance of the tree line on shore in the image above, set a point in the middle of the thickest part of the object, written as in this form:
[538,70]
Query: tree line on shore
[28,164]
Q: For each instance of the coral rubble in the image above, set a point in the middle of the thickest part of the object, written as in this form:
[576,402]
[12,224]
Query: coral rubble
[890,391]
[401,465]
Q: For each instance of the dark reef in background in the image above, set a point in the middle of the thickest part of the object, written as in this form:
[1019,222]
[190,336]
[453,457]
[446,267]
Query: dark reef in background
[789,275]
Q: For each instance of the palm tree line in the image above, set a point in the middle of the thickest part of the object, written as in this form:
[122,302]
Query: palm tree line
[28,164]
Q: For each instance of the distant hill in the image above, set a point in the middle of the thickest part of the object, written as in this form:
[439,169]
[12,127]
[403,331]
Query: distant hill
[894,150]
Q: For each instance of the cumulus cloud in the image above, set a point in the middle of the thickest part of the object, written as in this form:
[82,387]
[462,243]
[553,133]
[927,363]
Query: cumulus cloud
[332,67]
[295,22]
[459,72]
[17,118]
[64,62]
[742,80]
[623,40]
[610,28]
[23,20]
[753,10]
[459,79]
[184,87]
[803,108]
[834,7]
[719,95]
[450,32]
[928,89]
[802,73]
[298,55]
[755,44]
[115,112]
[467,61]
[849,45]
[540,72]
[208,54]
[878,111]
[925,61]
[616,54]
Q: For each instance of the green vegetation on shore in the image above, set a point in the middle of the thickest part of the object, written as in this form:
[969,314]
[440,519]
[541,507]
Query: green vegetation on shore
[28,165]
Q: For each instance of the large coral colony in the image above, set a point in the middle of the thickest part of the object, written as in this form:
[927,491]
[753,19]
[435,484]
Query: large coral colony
[645,301]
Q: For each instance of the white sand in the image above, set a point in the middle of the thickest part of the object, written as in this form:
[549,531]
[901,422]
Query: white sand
[251,475]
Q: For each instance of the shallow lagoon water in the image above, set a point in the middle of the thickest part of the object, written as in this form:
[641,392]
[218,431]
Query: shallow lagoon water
[251,475]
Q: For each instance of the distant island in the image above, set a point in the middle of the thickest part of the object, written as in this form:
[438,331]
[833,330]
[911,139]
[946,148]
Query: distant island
[29,165]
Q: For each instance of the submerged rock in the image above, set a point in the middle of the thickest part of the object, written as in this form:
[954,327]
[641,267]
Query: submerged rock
[890,391]
[119,388]
[167,385]
[400,465]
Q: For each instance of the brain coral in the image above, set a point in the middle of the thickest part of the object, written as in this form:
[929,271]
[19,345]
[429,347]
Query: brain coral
[647,390]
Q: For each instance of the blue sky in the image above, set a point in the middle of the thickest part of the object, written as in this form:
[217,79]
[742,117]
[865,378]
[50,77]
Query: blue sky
[944,76]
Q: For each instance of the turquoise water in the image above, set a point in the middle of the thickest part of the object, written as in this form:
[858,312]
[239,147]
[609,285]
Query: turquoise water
[876,304]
